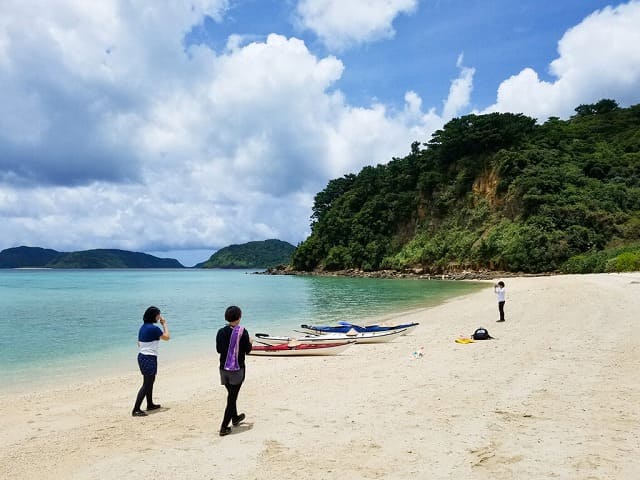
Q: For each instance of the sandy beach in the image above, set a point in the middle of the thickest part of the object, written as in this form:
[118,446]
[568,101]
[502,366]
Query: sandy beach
[555,395]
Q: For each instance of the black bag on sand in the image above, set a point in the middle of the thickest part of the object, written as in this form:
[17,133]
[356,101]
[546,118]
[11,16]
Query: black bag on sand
[481,334]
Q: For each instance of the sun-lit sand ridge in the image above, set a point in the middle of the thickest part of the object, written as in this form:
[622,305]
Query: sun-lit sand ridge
[556,395]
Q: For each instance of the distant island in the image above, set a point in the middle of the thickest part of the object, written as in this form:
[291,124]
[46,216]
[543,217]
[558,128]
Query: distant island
[36,257]
[259,254]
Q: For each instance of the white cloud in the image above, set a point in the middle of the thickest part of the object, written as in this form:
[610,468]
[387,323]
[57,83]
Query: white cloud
[598,58]
[112,136]
[460,91]
[77,78]
[369,136]
[340,24]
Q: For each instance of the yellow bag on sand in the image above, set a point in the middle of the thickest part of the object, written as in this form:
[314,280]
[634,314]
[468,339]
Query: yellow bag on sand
[464,340]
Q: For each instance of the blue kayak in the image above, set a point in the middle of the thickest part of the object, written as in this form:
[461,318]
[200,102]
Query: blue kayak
[344,327]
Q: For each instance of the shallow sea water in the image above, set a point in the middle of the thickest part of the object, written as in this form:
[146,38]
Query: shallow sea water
[60,324]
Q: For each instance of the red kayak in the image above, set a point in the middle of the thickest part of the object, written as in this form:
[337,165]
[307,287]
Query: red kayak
[293,348]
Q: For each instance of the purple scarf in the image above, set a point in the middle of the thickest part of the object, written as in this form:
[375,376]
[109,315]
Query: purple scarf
[231,363]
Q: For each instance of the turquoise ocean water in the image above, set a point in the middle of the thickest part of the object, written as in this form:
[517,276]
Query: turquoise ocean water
[74,324]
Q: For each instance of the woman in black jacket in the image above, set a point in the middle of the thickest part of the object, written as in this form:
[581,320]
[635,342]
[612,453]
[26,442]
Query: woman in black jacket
[232,343]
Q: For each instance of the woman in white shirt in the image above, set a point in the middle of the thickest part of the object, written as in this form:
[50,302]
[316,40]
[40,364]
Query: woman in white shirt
[500,292]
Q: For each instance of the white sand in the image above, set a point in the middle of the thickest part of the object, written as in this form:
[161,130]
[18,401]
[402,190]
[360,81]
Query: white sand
[556,395]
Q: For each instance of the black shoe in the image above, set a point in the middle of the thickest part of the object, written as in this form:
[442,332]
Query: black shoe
[499,320]
[153,407]
[138,413]
[238,420]
[225,431]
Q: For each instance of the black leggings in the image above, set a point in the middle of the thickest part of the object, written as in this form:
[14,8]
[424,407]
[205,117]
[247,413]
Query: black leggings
[145,391]
[231,411]
[501,310]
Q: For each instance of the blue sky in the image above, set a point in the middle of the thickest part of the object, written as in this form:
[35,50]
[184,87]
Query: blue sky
[497,37]
[177,128]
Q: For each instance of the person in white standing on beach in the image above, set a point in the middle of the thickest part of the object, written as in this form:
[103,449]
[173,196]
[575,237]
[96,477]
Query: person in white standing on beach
[500,291]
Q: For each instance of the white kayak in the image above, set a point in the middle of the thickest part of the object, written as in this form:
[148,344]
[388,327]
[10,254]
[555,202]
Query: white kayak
[298,349]
[359,337]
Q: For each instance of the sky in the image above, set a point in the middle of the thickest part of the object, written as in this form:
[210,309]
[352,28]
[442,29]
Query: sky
[179,127]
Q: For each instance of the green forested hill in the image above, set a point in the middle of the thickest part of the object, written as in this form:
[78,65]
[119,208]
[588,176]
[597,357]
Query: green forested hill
[27,257]
[494,191]
[111,258]
[22,257]
[262,254]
